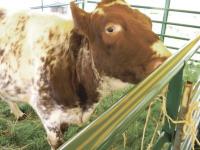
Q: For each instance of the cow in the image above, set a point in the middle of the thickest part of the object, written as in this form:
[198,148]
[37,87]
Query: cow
[62,68]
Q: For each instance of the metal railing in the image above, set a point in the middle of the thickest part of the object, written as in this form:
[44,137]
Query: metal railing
[53,5]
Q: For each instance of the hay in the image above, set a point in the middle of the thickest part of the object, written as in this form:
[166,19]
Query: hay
[189,125]
[145,125]
[125,139]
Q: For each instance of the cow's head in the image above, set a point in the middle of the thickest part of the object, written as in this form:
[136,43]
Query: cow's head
[121,40]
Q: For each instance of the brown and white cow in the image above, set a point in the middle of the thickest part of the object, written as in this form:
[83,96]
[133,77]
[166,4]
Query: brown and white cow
[62,67]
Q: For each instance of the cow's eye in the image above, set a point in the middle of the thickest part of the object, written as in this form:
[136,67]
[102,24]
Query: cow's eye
[112,28]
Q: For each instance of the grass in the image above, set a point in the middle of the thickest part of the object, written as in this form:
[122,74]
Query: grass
[29,134]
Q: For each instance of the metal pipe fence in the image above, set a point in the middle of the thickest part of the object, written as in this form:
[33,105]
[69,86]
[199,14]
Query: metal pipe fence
[53,5]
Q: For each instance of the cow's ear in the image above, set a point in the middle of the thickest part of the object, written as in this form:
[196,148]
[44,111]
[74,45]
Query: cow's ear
[81,19]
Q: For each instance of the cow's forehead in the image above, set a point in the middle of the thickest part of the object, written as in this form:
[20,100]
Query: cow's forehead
[103,8]
[121,13]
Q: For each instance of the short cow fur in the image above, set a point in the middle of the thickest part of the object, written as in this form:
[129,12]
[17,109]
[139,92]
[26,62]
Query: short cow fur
[62,67]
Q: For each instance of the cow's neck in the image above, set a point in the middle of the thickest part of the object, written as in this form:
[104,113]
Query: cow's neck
[91,85]
[86,76]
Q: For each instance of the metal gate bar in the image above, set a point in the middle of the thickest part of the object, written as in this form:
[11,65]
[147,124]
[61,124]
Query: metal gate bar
[165,18]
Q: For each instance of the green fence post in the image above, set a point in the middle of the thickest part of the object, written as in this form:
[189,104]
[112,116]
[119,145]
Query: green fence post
[173,101]
[83,4]
[165,18]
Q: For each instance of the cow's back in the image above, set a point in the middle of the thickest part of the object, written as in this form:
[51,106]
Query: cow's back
[27,41]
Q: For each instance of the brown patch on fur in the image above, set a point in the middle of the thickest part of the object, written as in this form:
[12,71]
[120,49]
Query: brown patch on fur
[18,90]
[63,127]
[2,14]
[85,78]
[1,52]
[19,33]
[56,78]
[61,83]
[16,48]
[75,43]
[51,35]
[21,23]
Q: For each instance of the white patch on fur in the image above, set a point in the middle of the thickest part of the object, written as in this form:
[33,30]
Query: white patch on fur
[55,116]
[160,49]
[70,115]
[99,11]
[110,84]
[117,2]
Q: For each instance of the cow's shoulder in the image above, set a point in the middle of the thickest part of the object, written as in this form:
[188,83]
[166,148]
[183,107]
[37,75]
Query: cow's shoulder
[48,31]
